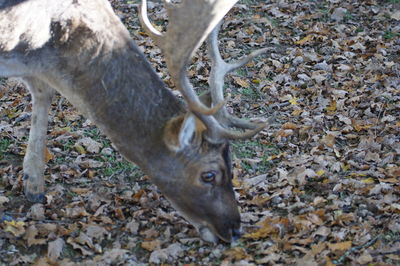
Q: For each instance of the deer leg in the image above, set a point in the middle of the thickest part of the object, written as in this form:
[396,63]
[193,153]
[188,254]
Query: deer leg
[34,160]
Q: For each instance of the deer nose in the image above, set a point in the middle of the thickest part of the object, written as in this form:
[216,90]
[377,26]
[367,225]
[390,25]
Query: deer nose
[236,233]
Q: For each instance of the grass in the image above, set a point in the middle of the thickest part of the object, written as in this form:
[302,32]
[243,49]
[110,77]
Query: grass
[93,133]
[3,81]
[4,144]
[117,165]
[388,35]
[254,149]
[348,16]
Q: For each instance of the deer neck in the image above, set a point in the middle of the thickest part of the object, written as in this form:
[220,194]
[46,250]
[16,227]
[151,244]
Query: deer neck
[120,92]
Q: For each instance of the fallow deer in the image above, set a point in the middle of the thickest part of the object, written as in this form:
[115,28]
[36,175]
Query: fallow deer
[81,49]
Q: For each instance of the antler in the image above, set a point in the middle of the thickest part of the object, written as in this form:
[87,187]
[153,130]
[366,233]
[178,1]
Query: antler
[219,69]
[190,22]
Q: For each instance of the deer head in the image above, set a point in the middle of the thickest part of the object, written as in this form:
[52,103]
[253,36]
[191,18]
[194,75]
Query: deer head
[94,63]
[199,139]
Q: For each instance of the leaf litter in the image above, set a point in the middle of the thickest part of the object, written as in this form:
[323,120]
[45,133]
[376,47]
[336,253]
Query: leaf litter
[319,186]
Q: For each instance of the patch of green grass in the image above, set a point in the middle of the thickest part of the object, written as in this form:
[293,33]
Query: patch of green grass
[116,166]
[254,149]
[69,252]
[3,81]
[388,35]
[359,29]
[251,93]
[250,2]
[348,16]
[68,145]
[4,144]
[70,194]
[242,72]
[93,133]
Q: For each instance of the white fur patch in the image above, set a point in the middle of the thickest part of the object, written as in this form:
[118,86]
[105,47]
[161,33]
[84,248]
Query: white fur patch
[207,235]
[187,131]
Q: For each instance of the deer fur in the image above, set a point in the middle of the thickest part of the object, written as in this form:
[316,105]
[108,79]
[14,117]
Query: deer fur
[82,50]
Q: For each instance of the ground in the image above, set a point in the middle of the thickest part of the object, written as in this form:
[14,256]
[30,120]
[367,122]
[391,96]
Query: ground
[319,186]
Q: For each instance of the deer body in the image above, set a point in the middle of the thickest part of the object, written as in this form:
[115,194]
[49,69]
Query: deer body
[81,49]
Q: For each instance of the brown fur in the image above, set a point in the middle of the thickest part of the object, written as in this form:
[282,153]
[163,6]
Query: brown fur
[81,49]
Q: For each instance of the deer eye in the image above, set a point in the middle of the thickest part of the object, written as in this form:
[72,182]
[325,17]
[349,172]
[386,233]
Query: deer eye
[209,176]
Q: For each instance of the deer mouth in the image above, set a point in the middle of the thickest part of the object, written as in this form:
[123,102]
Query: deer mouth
[207,235]
[207,231]
[210,234]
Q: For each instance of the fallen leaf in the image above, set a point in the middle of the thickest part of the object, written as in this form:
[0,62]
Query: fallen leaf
[304,40]
[293,101]
[173,251]
[91,145]
[48,156]
[55,248]
[151,245]
[3,199]
[331,107]
[341,246]
[17,228]
[290,125]
[236,253]
[365,258]
[269,227]
[241,82]
[31,234]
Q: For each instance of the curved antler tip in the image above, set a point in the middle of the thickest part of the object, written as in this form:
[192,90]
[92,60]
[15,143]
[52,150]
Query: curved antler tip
[146,24]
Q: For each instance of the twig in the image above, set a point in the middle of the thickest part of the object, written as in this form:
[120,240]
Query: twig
[353,249]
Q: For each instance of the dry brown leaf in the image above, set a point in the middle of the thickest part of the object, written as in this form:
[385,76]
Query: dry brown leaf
[41,261]
[48,155]
[119,213]
[31,234]
[389,180]
[290,125]
[316,249]
[90,144]
[79,190]
[76,211]
[270,227]
[341,246]
[284,133]
[329,140]
[241,82]
[151,245]
[55,248]
[84,240]
[305,40]
[96,232]
[17,228]
[236,254]
[3,199]
[82,249]
[150,233]
[331,108]
[365,258]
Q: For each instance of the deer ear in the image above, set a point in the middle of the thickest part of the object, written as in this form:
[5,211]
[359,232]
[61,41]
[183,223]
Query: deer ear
[182,131]
[187,131]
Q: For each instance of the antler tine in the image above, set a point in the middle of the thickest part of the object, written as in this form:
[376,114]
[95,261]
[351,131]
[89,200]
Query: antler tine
[190,22]
[216,132]
[154,34]
[219,70]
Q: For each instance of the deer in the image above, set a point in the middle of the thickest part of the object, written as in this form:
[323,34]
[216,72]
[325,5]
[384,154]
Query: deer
[82,50]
